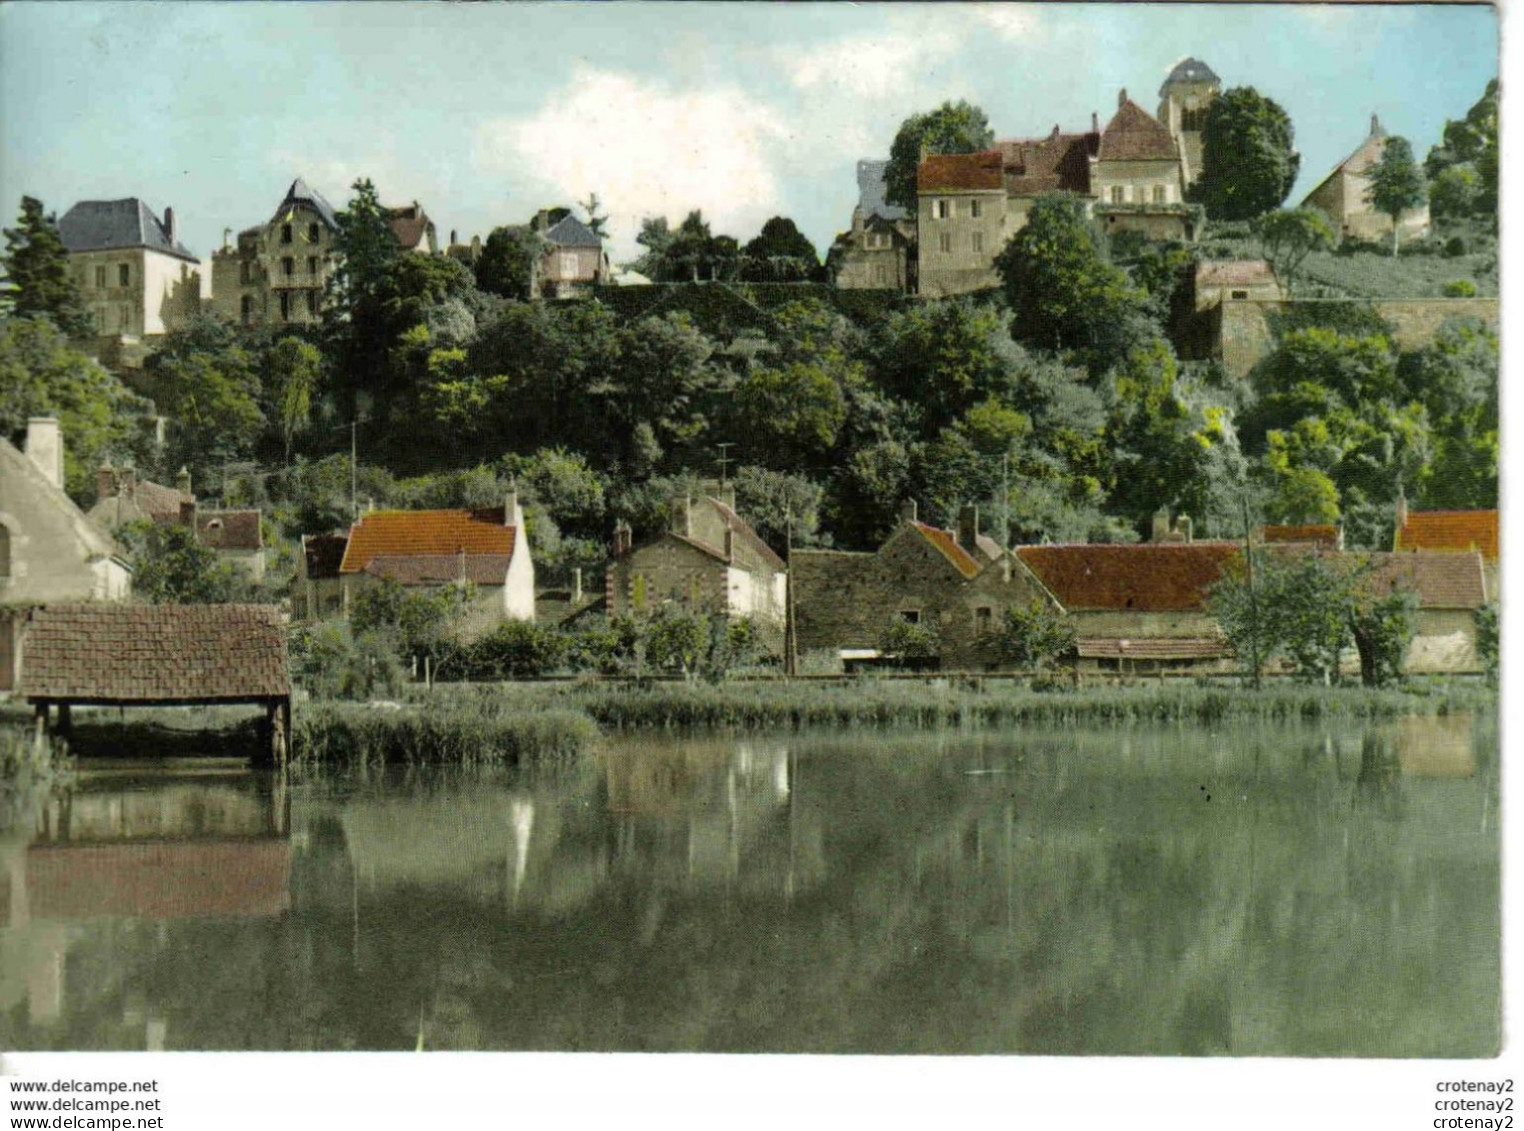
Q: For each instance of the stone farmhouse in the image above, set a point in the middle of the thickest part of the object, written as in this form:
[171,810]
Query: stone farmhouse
[1343,196]
[708,561]
[236,535]
[573,259]
[136,279]
[486,549]
[49,551]
[276,272]
[879,251]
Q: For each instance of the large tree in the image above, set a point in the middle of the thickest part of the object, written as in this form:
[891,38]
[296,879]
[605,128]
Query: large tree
[953,127]
[1397,183]
[1248,160]
[1289,236]
[780,253]
[508,262]
[37,267]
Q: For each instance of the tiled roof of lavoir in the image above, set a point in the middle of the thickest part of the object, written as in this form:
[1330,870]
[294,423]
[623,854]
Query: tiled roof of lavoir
[1442,579]
[101,225]
[1152,577]
[440,569]
[1451,530]
[945,541]
[960,172]
[1136,135]
[138,653]
[426,532]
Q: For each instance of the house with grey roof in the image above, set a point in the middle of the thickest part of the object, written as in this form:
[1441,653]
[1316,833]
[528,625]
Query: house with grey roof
[573,258]
[136,278]
[879,251]
[275,272]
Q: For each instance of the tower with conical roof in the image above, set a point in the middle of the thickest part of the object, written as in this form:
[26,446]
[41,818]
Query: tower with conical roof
[1184,99]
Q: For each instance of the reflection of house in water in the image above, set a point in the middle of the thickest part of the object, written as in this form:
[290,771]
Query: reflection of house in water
[152,849]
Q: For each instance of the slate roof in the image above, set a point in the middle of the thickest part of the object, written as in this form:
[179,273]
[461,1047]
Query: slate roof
[960,172]
[1451,530]
[409,224]
[1058,162]
[871,190]
[1151,577]
[947,543]
[740,528]
[324,554]
[1234,273]
[135,653]
[1318,534]
[229,530]
[426,532]
[300,193]
[158,880]
[1442,579]
[1189,70]
[440,569]
[1134,134]
[571,232]
[103,225]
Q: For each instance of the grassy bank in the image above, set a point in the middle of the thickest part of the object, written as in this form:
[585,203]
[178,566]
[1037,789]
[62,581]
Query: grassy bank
[472,731]
[29,771]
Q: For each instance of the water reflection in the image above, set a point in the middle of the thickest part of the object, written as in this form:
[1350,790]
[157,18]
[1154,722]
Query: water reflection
[1250,891]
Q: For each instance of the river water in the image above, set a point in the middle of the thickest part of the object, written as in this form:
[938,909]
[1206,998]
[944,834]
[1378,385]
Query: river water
[1255,889]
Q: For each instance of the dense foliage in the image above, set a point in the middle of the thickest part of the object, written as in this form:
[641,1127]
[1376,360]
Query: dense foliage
[1249,160]
[953,127]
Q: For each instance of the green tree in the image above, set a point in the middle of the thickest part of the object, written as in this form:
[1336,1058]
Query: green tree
[780,506]
[1455,192]
[1382,628]
[170,566]
[517,650]
[1464,141]
[1488,639]
[1289,236]
[953,127]
[1249,161]
[332,661]
[910,643]
[293,368]
[358,338]
[1033,636]
[205,380]
[793,414]
[597,222]
[780,253]
[1397,183]
[676,640]
[508,262]
[37,268]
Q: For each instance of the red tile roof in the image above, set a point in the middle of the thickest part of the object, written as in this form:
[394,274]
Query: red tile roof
[1135,135]
[426,532]
[1234,273]
[1152,577]
[229,530]
[945,541]
[960,172]
[1056,163]
[408,223]
[1442,579]
[1319,534]
[324,554]
[158,880]
[144,653]
[441,569]
[1451,530]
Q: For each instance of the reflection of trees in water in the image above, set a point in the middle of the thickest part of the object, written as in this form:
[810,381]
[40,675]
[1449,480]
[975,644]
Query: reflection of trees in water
[1076,895]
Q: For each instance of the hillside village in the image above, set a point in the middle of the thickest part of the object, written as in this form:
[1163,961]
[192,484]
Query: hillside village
[943,447]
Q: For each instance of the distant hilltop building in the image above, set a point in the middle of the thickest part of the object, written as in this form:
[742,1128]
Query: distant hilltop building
[1342,196]
[412,229]
[1184,99]
[135,277]
[277,270]
[879,252]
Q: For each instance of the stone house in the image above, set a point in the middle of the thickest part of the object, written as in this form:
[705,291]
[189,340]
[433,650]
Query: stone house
[708,561]
[1215,281]
[486,549]
[49,551]
[879,251]
[1343,196]
[956,583]
[1137,177]
[235,534]
[276,272]
[1451,588]
[1451,532]
[412,229]
[1184,99]
[136,279]
[960,222]
[573,260]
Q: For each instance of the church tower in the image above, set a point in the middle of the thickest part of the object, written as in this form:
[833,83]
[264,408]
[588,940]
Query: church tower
[1184,98]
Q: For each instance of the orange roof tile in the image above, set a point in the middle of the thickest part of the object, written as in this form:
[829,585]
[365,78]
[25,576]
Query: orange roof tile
[426,532]
[1321,534]
[963,172]
[1136,135]
[945,541]
[1451,530]
[1152,577]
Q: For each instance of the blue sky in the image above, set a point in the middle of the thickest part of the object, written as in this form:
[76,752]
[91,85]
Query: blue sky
[485,112]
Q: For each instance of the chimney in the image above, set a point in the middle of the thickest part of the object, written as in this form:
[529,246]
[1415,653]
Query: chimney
[907,511]
[1095,122]
[105,482]
[730,544]
[1160,531]
[44,447]
[621,538]
[453,237]
[188,513]
[1121,98]
[968,528]
[169,224]
[227,237]
[1376,130]
[513,514]
[680,517]
[1183,527]
[576,592]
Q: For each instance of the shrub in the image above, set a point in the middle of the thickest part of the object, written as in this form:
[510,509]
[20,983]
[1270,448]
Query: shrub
[1455,247]
[333,662]
[516,650]
[1460,288]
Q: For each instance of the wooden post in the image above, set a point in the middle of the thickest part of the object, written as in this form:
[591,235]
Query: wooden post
[41,714]
[65,720]
[285,729]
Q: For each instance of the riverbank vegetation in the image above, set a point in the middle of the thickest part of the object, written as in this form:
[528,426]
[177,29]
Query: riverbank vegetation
[30,769]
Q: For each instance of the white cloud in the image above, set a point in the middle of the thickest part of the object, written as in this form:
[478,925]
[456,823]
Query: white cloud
[645,149]
[871,67]
[1017,23]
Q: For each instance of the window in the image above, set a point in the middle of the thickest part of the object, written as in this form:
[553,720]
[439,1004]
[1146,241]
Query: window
[973,208]
[246,309]
[940,209]
[312,265]
[1159,194]
[314,234]
[944,241]
[288,266]
[123,275]
[910,616]
[5,552]
[977,241]
[124,319]
[984,616]
[285,306]
[568,265]
[881,276]
[312,301]
[100,278]
[1240,294]
[1118,194]
[285,233]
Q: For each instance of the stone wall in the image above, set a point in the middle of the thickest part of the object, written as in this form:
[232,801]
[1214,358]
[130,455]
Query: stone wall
[972,242]
[1244,337]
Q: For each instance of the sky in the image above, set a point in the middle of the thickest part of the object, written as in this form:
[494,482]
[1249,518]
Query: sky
[487,112]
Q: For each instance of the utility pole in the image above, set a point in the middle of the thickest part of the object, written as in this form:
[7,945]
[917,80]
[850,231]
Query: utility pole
[790,642]
[1253,604]
[723,460]
[354,471]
